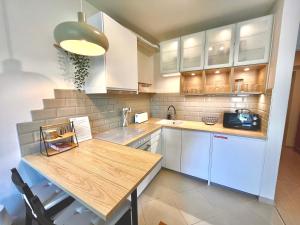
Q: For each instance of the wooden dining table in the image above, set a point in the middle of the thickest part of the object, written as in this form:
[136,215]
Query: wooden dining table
[100,175]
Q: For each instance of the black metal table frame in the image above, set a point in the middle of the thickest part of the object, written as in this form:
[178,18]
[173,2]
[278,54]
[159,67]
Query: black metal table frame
[134,208]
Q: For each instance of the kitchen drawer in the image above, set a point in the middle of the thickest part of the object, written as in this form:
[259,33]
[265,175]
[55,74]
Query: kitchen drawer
[155,138]
[156,133]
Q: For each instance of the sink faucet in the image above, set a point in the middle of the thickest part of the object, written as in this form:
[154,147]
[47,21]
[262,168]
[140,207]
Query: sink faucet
[171,116]
[125,113]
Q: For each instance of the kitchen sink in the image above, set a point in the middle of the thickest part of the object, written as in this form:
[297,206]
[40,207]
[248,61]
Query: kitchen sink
[170,122]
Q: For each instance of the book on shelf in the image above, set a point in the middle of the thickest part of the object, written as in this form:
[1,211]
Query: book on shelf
[61,146]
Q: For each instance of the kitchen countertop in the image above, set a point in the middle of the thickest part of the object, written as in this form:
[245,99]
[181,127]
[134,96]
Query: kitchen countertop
[217,128]
[100,175]
[154,124]
[142,129]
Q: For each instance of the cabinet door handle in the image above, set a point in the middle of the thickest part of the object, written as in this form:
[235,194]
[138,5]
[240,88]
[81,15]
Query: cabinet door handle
[221,137]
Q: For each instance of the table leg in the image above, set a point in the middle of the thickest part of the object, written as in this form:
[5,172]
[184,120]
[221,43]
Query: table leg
[134,208]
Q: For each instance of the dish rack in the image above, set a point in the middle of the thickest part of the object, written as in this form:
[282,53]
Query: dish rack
[57,138]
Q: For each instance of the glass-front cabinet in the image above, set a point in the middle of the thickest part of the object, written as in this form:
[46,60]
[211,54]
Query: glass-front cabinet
[253,41]
[192,52]
[219,47]
[232,59]
[169,56]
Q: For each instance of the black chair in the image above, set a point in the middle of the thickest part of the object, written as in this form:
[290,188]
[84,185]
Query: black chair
[72,216]
[53,198]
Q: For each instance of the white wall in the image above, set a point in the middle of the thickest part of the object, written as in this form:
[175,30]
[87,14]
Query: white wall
[282,64]
[164,84]
[29,71]
[298,42]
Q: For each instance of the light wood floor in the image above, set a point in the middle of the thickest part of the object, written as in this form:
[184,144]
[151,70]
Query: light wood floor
[288,187]
[176,199]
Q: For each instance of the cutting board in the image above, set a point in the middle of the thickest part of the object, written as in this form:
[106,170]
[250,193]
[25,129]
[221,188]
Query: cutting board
[82,128]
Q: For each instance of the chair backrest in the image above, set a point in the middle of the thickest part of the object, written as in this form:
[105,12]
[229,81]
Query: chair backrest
[20,184]
[17,179]
[40,212]
[32,201]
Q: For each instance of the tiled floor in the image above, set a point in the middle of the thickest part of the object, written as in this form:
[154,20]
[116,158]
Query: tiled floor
[176,199]
[288,187]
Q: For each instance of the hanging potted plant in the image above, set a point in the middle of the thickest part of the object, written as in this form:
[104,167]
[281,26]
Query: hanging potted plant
[80,40]
[81,65]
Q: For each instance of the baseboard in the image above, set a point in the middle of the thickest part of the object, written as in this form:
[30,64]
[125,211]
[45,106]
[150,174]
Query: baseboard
[266,200]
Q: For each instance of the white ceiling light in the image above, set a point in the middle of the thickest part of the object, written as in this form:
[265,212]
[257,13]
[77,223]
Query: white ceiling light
[80,38]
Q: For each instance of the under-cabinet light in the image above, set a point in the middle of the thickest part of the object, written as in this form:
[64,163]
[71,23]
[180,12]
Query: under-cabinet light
[171,75]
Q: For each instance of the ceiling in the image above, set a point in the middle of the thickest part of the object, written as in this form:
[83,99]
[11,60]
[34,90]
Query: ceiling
[159,20]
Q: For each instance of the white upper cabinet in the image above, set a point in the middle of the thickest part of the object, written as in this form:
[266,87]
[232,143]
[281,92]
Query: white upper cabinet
[169,56]
[253,41]
[219,47]
[192,52]
[145,66]
[118,68]
[121,57]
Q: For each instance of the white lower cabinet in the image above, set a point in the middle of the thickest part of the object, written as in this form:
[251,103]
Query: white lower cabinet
[237,162]
[156,142]
[195,153]
[172,148]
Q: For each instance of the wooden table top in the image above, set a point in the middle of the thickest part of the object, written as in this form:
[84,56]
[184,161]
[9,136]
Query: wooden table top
[99,174]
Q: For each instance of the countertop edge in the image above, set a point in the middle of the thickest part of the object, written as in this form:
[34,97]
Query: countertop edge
[262,137]
[153,121]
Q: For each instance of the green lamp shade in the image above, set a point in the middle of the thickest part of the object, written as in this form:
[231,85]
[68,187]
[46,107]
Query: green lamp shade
[80,38]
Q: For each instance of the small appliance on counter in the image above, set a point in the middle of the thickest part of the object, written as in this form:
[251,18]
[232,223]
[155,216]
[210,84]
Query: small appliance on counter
[242,119]
[141,117]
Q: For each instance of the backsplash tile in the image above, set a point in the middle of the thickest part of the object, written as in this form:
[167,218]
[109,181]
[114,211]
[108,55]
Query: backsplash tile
[195,107]
[104,110]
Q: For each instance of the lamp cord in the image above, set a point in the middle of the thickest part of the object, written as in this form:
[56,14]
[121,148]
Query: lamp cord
[81,7]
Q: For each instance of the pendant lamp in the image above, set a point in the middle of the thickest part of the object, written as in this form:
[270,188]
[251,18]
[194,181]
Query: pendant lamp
[80,38]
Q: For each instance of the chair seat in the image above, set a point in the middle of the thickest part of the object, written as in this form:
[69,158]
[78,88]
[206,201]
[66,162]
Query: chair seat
[77,214]
[48,193]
